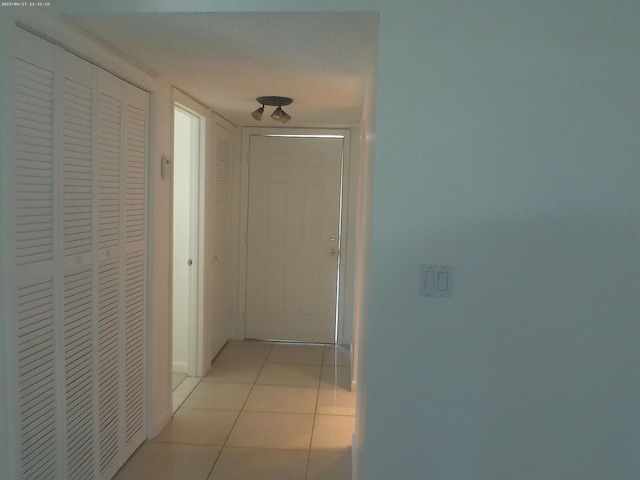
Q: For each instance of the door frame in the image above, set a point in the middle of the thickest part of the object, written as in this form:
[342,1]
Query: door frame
[195,360]
[346,273]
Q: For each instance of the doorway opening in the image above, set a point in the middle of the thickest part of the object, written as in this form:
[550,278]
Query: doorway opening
[187,154]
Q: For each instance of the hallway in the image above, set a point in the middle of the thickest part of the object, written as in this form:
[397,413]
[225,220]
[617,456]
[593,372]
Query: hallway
[264,411]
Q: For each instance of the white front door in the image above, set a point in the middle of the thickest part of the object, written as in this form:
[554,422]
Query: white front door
[293,238]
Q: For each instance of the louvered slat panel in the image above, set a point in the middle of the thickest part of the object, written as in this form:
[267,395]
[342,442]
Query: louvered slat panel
[36,377]
[34,163]
[223,151]
[134,345]
[77,168]
[108,361]
[135,174]
[109,165]
[78,368]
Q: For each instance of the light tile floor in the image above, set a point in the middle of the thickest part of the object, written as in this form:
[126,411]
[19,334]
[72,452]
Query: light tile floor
[265,411]
[177,379]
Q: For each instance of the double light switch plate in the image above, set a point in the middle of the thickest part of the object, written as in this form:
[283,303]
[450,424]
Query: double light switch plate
[436,280]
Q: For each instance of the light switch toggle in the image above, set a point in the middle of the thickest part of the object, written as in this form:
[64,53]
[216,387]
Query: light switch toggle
[436,280]
[443,281]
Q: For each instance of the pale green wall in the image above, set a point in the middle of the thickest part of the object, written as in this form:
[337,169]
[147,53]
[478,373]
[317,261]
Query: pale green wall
[507,145]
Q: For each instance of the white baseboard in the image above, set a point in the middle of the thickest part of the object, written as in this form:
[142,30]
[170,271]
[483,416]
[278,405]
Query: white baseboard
[180,367]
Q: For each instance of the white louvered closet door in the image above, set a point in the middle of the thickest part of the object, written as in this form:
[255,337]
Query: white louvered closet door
[75,119]
[109,194]
[220,292]
[36,378]
[79,300]
[135,180]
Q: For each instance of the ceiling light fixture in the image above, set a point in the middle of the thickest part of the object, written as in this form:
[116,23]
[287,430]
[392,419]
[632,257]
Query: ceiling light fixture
[257,114]
[273,101]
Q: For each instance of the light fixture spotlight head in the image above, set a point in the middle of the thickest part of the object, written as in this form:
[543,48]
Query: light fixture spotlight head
[257,114]
[285,117]
[277,114]
[273,101]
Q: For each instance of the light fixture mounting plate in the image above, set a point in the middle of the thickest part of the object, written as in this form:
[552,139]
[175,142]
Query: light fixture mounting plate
[274,101]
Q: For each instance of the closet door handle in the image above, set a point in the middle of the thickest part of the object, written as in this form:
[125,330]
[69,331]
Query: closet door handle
[189,262]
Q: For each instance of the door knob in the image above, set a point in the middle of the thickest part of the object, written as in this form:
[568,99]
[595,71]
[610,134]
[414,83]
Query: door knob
[189,262]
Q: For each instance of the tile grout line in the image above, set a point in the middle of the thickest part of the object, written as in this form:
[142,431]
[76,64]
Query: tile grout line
[173,414]
[253,385]
[315,414]
[239,413]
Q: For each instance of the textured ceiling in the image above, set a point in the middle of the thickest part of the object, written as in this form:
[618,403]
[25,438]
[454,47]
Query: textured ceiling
[226,60]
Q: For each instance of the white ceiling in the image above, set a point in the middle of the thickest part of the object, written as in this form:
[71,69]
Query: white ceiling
[226,60]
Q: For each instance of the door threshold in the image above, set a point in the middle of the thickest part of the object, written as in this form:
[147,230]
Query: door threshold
[290,342]
[183,390]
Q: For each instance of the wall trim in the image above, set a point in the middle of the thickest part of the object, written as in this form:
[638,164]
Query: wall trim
[180,367]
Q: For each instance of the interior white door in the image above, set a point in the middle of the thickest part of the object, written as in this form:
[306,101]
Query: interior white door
[293,238]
